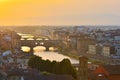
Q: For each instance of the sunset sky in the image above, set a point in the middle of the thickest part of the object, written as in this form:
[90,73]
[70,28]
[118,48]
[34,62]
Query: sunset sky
[59,12]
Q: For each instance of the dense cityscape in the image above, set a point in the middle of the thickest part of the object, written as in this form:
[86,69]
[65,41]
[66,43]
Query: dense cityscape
[59,40]
[93,53]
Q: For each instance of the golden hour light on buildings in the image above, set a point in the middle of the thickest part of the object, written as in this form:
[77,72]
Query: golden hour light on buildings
[60,39]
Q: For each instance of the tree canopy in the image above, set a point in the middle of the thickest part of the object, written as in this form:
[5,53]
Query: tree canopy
[63,67]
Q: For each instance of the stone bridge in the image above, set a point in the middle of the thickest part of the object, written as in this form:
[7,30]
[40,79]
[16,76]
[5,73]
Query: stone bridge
[45,43]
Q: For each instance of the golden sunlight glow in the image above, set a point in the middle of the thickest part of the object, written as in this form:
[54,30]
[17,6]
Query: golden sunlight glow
[3,0]
[59,12]
[25,48]
[6,1]
[51,49]
[39,49]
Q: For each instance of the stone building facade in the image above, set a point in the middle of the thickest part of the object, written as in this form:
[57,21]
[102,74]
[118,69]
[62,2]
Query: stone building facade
[9,40]
[83,44]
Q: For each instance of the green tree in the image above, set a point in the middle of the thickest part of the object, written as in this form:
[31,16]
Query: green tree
[55,67]
[63,67]
[67,68]
[47,66]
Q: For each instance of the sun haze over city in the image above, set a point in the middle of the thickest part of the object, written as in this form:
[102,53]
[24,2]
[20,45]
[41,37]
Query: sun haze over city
[59,39]
[59,12]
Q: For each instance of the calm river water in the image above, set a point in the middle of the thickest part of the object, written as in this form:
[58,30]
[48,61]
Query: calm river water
[51,55]
[55,56]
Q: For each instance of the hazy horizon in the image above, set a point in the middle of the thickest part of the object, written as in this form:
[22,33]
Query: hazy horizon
[59,12]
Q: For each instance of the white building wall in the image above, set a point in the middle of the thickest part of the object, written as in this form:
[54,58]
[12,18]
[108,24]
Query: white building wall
[92,49]
[106,51]
[117,48]
[117,38]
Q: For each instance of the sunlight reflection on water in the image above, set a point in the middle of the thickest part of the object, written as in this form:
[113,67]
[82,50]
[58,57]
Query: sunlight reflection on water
[54,56]
[40,51]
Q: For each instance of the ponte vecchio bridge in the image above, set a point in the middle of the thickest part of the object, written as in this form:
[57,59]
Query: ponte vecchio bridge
[42,42]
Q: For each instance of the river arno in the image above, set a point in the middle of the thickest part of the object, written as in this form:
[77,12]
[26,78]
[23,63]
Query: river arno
[55,56]
[50,55]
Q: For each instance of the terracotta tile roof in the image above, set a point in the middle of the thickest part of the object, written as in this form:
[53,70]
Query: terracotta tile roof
[93,76]
[112,69]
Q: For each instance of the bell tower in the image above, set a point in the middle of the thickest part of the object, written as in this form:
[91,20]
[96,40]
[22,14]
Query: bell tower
[83,68]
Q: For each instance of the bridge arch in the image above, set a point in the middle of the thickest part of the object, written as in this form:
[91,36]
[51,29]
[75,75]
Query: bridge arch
[53,48]
[25,48]
[39,48]
[46,43]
